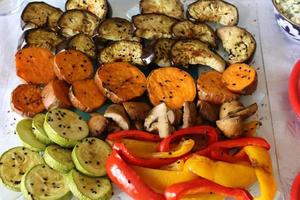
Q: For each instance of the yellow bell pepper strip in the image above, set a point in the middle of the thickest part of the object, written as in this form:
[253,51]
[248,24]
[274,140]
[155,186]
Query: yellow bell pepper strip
[249,128]
[176,166]
[200,185]
[140,148]
[236,175]
[203,196]
[159,180]
[261,160]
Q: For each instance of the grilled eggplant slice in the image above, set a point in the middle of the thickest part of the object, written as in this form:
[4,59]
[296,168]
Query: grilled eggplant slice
[200,31]
[122,51]
[75,21]
[152,26]
[41,37]
[162,50]
[116,29]
[238,42]
[83,43]
[172,8]
[40,14]
[97,7]
[217,11]
[194,52]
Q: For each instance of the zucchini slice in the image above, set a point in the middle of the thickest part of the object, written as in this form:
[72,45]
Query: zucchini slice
[97,7]
[58,158]
[14,163]
[41,37]
[122,51]
[38,128]
[25,133]
[89,188]
[116,29]
[200,31]
[238,43]
[75,21]
[90,155]
[152,26]
[217,11]
[162,50]
[43,183]
[83,43]
[40,14]
[172,8]
[65,128]
[194,52]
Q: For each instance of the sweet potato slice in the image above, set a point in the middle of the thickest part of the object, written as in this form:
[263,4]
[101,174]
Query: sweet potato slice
[35,65]
[172,86]
[212,90]
[240,78]
[55,95]
[72,65]
[86,96]
[120,81]
[26,99]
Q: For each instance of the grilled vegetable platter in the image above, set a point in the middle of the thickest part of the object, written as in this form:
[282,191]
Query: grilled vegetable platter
[154,104]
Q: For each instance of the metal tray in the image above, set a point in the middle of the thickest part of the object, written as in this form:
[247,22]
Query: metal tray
[126,8]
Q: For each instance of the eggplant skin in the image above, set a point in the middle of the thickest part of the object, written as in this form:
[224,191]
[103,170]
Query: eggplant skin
[83,43]
[162,50]
[76,21]
[116,29]
[122,51]
[238,43]
[171,8]
[217,11]
[40,14]
[200,31]
[194,52]
[97,7]
[41,37]
[153,26]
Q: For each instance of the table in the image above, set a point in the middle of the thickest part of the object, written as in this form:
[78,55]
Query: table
[279,52]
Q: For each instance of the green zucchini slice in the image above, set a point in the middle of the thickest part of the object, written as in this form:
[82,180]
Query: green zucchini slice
[89,188]
[14,163]
[25,133]
[58,158]
[90,156]
[43,183]
[38,128]
[65,128]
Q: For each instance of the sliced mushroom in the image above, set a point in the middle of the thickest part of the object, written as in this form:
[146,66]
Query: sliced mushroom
[118,114]
[175,117]
[230,107]
[157,120]
[208,111]
[231,126]
[97,124]
[245,112]
[113,127]
[139,125]
[189,114]
[137,111]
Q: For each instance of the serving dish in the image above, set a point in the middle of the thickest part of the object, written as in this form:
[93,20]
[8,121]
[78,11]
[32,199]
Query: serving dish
[248,20]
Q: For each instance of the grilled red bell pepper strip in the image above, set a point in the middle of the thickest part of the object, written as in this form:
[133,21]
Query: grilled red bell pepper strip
[200,185]
[143,162]
[241,142]
[134,134]
[127,179]
[165,144]
[295,189]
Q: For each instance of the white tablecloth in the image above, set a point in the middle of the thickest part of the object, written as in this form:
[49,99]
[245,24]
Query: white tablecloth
[279,52]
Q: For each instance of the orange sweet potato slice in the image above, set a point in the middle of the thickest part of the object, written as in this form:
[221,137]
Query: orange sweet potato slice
[240,78]
[86,96]
[55,95]
[172,86]
[120,81]
[211,88]
[35,65]
[26,99]
[72,65]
